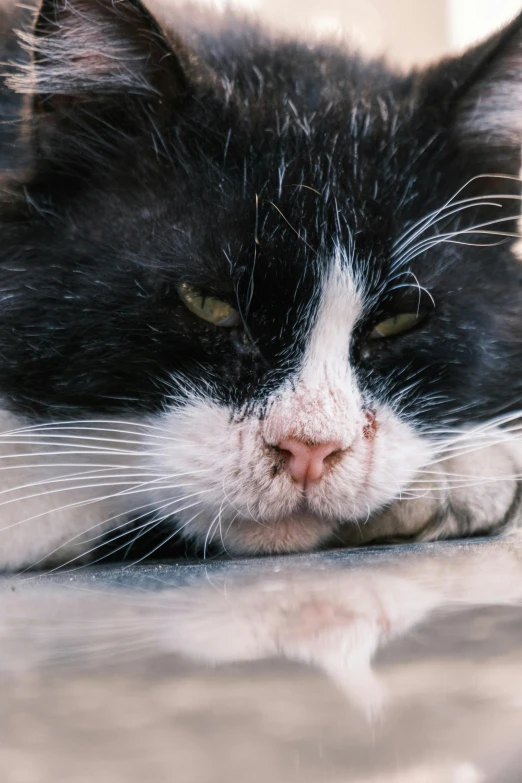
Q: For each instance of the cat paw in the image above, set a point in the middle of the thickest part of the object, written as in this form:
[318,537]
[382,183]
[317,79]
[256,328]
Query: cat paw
[474,493]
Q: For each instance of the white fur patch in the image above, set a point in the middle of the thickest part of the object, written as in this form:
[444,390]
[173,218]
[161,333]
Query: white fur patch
[58,493]
[323,402]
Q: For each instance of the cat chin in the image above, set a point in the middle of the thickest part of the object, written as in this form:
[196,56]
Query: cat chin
[296,533]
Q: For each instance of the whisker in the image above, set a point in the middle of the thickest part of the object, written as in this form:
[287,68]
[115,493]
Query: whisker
[432,242]
[44,438]
[210,527]
[83,451]
[81,422]
[145,528]
[464,205]
[81,535]
[452,201]
[169,538]
[96,466]
[298,234]
[134,489]
[148,527]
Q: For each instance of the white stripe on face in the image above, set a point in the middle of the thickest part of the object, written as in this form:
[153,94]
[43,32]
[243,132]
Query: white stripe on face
[323,403]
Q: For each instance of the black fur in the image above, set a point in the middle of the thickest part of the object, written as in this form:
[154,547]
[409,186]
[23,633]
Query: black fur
[238,162]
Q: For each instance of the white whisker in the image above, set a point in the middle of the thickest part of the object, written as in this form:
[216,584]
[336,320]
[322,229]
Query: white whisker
[81,422]
[141,487]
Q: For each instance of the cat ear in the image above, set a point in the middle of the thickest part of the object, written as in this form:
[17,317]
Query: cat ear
[88,53]
[487,99]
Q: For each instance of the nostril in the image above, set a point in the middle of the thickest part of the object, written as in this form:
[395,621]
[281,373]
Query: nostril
[333,456]
[282,454]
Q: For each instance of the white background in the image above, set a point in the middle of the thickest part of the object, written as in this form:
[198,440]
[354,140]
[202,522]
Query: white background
[406,31]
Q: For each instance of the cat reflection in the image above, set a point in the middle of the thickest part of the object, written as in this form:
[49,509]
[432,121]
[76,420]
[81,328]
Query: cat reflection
[337,620]
[334,620]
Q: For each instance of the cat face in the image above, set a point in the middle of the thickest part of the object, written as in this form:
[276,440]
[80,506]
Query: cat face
[293,269]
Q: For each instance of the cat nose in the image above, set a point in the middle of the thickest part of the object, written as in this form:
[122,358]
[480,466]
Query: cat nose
[307,462]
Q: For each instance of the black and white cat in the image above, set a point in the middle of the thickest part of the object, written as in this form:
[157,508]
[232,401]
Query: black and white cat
[254,293]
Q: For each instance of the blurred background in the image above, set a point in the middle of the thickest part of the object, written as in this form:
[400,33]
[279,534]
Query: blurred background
[408,32]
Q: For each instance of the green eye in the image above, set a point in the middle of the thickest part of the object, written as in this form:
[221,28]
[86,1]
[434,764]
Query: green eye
[208,308]
[396,325]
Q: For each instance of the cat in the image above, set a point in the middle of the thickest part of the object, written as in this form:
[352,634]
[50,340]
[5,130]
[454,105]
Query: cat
[257,294]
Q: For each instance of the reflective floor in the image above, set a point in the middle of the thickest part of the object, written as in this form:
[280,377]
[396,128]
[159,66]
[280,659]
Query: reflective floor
[391,665]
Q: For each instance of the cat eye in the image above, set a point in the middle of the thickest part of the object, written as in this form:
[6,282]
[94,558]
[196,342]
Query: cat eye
[396,325]
[208,308]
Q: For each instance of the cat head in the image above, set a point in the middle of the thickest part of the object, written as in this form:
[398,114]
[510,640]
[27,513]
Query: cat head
[298,266]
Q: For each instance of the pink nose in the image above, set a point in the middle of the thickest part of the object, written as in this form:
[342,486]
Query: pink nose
[307,463]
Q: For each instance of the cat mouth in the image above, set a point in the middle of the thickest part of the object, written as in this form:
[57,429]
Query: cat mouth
[309,522]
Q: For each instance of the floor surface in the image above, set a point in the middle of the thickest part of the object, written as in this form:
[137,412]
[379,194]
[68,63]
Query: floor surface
[390,665]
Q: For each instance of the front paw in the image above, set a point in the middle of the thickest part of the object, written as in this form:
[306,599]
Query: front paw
[474,493]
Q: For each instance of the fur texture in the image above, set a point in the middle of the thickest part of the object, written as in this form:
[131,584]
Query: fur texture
[318,196]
